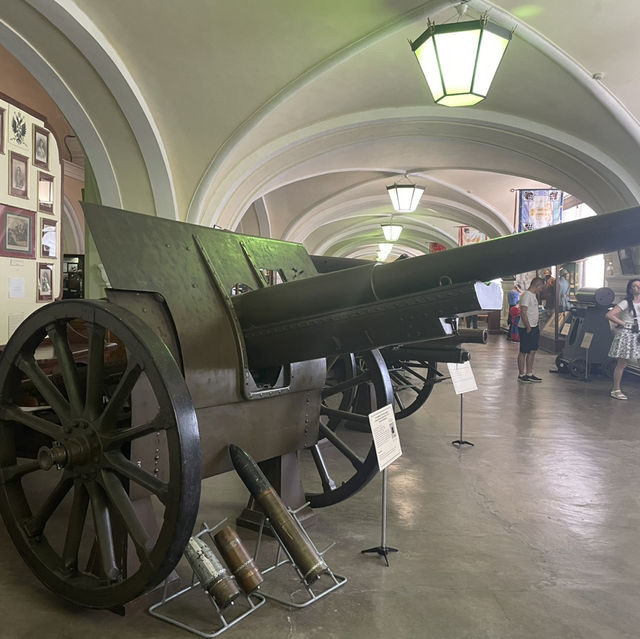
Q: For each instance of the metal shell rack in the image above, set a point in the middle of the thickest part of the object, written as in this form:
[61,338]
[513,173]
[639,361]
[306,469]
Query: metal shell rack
[223,618]
[309,595]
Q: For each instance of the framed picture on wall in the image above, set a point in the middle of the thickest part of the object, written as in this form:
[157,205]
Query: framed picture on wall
[48,238]
[18,175]
[2,121]
[45,192]
[45,282]
[40,147]
[17,232]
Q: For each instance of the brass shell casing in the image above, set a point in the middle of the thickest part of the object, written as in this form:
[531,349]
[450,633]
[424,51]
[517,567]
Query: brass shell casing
[238,559]
[211,574]
[304,555]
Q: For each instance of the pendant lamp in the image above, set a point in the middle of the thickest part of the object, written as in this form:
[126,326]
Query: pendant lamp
[460,60]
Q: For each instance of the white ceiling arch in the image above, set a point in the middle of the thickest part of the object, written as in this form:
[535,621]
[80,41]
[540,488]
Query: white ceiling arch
[491,141]
[349,241]
[328,96]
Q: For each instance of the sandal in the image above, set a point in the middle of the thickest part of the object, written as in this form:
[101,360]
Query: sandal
[618,394]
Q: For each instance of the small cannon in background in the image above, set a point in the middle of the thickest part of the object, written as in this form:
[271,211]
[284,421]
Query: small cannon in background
[588,318]
[113,409]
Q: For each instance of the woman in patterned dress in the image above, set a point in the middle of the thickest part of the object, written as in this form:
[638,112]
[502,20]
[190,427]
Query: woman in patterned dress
[625,345]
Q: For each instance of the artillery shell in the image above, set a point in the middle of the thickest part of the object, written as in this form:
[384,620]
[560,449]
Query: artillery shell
[238,559]
[211,574]
[302,552]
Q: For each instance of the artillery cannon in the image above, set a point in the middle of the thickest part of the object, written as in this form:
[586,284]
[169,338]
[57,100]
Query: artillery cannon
[174,367]
[413,369]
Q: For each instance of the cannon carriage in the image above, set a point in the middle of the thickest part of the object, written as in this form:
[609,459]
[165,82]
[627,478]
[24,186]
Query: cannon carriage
[112,411]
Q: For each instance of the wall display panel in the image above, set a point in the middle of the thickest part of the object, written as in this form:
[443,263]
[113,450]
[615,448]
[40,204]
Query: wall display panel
[48,238]
[45,282]
[46,192]
[17,232]
[40,147]
[18,175]
[18,128]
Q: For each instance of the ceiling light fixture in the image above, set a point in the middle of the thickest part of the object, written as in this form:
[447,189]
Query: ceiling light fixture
[384,249]
[459,60]
[391,231]
[405,197]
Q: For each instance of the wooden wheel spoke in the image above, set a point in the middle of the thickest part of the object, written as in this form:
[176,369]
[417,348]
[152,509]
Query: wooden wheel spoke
[132,471]
[412,371]
[44,426]
[356,461]
[402,383]
[45,386]
[327,483]
[58,334]
[104,532]
[95,371]
[11,473]
[120,395]
[35,524]
[348,384]
[398,400]
[113,440]
[121,501]
[77,518]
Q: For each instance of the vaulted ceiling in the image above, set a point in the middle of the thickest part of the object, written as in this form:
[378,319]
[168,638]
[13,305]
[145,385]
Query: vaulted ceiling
[288,118]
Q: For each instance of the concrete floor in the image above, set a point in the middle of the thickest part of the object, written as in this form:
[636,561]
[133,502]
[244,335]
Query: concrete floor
[531,533]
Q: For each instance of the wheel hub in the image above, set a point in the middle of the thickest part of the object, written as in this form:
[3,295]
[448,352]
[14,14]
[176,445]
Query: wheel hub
[82,447]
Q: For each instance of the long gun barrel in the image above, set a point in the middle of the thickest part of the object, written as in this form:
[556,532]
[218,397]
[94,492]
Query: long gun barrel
[266,314]
[311,316]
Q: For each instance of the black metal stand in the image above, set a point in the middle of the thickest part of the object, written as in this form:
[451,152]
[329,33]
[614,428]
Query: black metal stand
[383,549]
[461,442]
[222,619]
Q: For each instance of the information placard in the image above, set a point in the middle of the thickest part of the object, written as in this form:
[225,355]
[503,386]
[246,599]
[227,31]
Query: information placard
[586,341]
[462,378]
[385,436]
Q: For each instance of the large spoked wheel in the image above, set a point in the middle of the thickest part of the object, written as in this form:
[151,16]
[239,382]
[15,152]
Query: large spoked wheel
[413,381]
[344,459]
[78,456]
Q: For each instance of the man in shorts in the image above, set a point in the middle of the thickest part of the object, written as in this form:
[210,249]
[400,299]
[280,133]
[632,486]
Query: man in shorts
[529,331]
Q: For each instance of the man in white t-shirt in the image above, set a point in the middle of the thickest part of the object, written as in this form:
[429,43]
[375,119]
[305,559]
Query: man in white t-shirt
[529,331]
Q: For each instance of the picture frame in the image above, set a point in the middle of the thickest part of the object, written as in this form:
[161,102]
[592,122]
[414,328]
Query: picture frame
[18,128]
[46,192]
[40,147]
[44,288]
[18,175]
[48,238]
[17,232]
[3,114]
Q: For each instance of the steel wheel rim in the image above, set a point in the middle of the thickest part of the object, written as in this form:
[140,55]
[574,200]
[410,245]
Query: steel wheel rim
[405,377]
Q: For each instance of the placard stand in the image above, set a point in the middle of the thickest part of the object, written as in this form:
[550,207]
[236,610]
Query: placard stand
[463,382]
[308,594]
[461,442]
[387,444]
[224,618]
[383,549]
